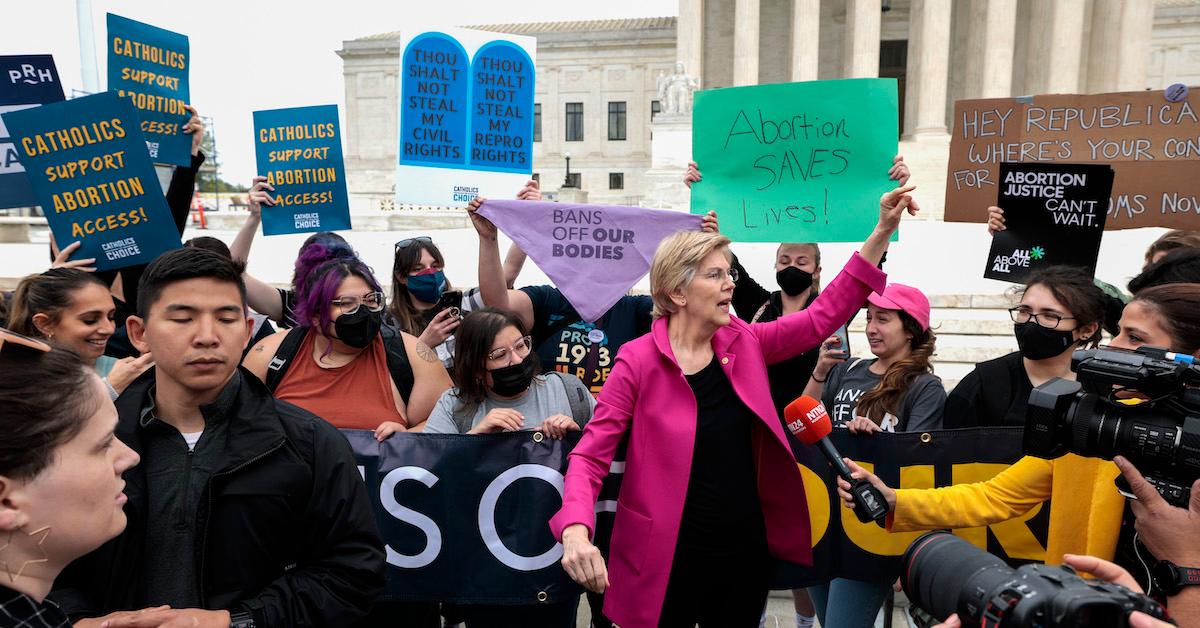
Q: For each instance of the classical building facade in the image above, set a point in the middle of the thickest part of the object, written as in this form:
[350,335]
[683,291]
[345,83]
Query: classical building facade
[597,81]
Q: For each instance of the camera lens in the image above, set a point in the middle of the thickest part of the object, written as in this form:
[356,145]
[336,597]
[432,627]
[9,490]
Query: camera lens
[939,569]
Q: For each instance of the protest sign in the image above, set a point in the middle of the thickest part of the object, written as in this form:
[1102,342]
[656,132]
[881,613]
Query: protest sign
[90,172]
[466,116]
[593,253]
[300,152]
[149,66]
[444,501]
[479,502]
[25,81]
[1151,142]
[1054,215]
[795,162]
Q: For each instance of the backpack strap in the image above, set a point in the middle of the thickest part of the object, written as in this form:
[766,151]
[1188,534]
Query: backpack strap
[283,356]
[397,361]
[462,416]
[577,397]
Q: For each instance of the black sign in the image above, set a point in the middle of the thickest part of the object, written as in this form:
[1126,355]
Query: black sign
[1054,214]
[25,81]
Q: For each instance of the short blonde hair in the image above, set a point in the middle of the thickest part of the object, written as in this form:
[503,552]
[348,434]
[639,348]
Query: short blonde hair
[675,264]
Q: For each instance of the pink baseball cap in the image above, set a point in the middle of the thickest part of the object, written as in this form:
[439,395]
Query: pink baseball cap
[897,296]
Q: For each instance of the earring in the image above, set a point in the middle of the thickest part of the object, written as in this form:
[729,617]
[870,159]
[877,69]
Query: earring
[45,532]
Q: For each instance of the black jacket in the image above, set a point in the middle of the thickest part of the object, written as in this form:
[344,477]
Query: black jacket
[286,529]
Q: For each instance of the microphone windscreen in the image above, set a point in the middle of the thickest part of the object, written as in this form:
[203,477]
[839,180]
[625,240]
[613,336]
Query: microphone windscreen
[807,420]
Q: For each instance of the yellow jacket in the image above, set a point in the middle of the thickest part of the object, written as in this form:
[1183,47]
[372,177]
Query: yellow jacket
[1085,511]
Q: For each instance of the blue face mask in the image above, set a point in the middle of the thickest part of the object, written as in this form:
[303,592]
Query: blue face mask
[427,288]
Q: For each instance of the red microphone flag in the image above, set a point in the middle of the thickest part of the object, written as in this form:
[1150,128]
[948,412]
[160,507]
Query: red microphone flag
[807,420]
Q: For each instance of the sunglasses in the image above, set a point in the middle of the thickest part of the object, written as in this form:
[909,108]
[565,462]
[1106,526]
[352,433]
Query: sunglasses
[407,242]
[24,343]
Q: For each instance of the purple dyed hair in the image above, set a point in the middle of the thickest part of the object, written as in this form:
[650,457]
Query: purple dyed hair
[320,269]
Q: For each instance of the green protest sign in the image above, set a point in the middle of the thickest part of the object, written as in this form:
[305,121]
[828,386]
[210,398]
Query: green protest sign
[795,162]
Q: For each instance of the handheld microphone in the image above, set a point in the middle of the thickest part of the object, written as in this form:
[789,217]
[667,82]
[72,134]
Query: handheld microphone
[809,423]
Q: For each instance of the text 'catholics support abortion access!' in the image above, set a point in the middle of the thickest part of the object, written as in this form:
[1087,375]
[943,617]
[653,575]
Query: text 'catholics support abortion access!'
[795,162]
[89,170]
[299,151]
[1152,143]
[149,66]
[466,116]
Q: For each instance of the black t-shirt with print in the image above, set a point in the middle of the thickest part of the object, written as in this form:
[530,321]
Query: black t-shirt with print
[586,350]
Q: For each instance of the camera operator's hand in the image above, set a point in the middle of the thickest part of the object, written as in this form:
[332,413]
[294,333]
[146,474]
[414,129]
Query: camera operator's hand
[1115,574]
[951,622]
[1169,532]
[859,473]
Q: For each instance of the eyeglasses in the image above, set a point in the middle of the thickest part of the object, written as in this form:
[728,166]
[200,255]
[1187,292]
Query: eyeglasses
[349,305]
[407,242]
[719,275]
[12,339]
[1022,314]
[521,349]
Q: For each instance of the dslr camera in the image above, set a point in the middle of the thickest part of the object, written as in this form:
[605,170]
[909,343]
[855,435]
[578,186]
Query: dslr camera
[943,574]
[1144,405]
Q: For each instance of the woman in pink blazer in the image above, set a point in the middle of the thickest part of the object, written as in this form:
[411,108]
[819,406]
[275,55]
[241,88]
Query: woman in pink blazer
[711,491]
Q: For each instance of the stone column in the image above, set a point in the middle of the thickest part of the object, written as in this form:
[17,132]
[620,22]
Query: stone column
[1055,47]
[806,39]
[928,69]
[745,42]
[860,55]
[992,36]
[1120,45]
[689,36]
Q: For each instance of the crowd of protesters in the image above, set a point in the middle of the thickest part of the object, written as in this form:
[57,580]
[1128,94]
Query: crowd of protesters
[171,458]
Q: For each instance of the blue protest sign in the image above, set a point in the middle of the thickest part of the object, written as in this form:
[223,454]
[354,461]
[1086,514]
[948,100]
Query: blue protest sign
[434,96]
[25,81]
[90,172]
[299,150]
[466,116]
[149,66]
[501,118]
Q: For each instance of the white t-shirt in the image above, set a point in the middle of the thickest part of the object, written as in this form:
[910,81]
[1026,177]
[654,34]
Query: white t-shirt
[191,438]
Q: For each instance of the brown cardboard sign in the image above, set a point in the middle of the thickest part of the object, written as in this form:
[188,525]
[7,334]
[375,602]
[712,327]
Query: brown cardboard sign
[1152,144]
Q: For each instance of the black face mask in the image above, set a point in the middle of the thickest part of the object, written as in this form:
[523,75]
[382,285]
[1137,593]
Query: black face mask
[358,329]
[514,379]
[1038,343]
[793,281]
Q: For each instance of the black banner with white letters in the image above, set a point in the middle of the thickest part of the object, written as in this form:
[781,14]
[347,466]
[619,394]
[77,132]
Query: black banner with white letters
[465,518]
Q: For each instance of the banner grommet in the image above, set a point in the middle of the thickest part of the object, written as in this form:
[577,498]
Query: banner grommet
[542,596]
[926,437]
[538,437]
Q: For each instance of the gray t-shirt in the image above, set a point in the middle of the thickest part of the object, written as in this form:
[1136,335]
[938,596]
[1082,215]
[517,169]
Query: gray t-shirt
[920,410]
[545,398]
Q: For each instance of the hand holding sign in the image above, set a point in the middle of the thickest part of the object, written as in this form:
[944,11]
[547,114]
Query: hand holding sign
[484,227]
[195,128]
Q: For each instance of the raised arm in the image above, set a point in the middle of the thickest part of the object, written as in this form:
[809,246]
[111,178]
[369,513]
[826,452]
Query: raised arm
[514,260]
[492,287]
[801,331]
[261,296]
